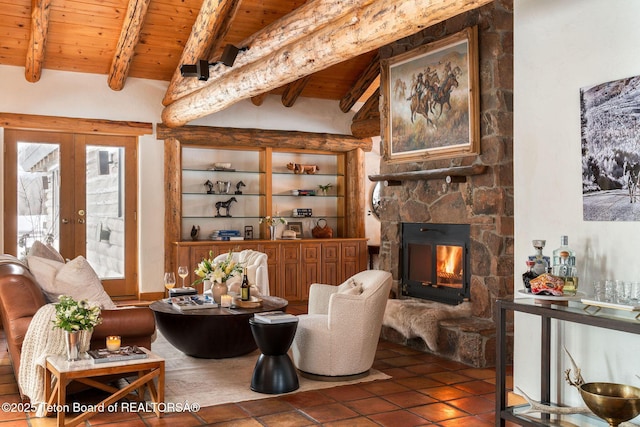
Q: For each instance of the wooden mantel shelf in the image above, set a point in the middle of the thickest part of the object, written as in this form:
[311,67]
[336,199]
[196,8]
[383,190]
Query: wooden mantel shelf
[456,171]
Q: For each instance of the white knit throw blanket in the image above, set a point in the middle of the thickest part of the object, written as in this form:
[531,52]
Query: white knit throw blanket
[42,340]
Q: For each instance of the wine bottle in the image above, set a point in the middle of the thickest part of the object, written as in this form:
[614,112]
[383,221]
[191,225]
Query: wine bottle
[244,288]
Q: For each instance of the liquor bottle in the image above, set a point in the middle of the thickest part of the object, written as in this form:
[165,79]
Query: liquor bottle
[244,288]
[564,266]
[541,262]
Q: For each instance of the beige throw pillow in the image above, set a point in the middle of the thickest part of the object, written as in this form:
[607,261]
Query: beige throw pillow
[76,279]
[352,288]
[45,271]
[41,250]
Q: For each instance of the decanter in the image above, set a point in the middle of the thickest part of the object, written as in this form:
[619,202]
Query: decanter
[541,261]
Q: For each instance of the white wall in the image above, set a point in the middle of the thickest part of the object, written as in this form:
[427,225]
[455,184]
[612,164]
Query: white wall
[88,96]
[561,46]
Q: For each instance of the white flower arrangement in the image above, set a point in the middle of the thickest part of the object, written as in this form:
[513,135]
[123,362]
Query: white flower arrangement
[72,315]
[219,272]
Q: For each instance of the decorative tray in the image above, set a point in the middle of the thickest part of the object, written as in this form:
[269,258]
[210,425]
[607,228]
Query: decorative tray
[604,304]
[252,303]
[576,297]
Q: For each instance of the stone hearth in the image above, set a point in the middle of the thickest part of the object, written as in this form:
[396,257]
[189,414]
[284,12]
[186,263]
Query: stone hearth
[484,201]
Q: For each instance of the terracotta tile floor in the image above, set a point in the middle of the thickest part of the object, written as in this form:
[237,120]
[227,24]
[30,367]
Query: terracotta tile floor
[425,390]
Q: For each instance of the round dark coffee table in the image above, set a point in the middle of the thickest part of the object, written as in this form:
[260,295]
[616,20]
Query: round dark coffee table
[274,372]
[211,333]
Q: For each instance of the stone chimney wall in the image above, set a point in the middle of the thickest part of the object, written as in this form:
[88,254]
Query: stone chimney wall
[483,201]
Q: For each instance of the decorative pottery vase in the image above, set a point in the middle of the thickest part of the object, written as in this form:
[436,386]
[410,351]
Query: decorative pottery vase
[206,285]
[272,232]
[72,341]
[219,289]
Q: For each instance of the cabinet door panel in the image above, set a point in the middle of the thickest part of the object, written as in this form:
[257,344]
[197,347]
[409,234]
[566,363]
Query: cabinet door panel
[289,284]
[273,264]
[350,261]
[331,272]
[311,267]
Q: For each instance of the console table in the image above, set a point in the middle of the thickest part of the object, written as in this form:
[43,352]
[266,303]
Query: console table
[573,312]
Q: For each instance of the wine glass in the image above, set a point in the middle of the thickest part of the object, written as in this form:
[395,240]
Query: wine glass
[169,280]
[183,272]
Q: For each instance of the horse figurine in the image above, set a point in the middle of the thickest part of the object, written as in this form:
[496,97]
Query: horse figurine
[226,205]
[297,168]
[239,185]
[209,186]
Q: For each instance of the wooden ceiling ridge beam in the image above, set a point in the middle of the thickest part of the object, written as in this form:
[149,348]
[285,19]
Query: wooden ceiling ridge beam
[250,137]
[372,27]
[129,37]
[212,24]
[40,11]
[292,27]
[361,85]
[293,91]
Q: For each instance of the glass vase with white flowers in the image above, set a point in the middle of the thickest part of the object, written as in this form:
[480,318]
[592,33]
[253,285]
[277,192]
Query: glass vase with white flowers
[273,223]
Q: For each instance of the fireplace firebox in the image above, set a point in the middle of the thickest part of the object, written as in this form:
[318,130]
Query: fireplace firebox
[435,262]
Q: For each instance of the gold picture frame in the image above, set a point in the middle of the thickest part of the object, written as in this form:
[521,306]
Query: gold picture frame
[431,103]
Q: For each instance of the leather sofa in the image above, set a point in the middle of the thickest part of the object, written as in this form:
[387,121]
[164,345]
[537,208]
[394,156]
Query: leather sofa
[21,297]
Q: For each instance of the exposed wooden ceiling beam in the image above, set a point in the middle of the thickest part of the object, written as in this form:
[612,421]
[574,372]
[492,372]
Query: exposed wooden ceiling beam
[371,27]
[259,99]
[211,25]
[129,37]
[235,137]
[293,91]
[366,122]
[291,27]
[37,39]
[361,85]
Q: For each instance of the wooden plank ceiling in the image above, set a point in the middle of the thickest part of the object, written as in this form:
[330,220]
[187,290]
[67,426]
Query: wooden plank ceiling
[150,39]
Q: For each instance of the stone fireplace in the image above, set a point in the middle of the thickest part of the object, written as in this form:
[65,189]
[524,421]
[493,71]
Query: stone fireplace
[483,202]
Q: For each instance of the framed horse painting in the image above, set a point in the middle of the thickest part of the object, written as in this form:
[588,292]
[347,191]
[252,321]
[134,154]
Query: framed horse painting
[431,100]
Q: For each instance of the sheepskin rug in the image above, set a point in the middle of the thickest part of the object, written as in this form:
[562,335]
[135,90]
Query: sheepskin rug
[418,318]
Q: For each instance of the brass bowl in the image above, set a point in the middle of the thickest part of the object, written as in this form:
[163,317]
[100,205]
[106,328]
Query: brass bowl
[615,403]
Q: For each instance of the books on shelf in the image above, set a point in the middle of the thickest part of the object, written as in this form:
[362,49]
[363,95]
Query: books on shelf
[275,317]
[128,352]
[192,302]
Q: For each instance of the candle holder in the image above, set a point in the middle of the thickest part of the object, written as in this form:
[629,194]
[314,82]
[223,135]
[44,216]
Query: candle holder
[226,300]
[113,343]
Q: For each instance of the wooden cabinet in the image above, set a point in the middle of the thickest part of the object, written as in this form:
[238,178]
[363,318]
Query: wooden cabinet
[293,265]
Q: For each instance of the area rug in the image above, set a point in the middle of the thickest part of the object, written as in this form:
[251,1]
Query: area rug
[208,382]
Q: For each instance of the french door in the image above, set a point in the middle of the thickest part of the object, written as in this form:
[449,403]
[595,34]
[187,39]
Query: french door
[78,193]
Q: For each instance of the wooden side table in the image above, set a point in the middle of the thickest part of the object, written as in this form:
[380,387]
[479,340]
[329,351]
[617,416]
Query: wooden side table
[83,372]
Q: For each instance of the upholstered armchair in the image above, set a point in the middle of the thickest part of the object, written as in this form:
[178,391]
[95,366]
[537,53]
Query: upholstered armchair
[339,335]
[257,270]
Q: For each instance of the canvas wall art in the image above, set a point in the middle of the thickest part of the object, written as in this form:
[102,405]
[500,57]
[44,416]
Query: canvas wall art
[610,132]
[431,102]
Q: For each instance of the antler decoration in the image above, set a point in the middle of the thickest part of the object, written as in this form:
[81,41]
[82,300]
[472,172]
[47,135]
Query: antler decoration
[577,381]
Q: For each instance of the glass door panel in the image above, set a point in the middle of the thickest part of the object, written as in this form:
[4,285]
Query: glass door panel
[105,222]
[38,195]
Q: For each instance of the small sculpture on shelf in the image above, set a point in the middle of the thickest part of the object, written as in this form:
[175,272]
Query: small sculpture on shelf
[195,231]
[297,168]
[226,205]
[239,185]
[209,186]
[325,188]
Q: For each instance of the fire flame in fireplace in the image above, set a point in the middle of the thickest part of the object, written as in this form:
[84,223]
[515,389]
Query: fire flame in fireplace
[449,262]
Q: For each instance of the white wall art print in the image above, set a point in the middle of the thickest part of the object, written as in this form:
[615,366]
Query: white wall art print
[610,132]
